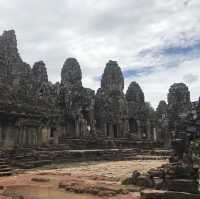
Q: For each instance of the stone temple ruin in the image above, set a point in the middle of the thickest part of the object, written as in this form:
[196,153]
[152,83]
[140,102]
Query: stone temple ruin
[36,112]
[41,122]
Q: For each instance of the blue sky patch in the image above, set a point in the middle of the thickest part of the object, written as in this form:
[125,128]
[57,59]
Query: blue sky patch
[137,72]
[132,72]
[181,50]
[171,50]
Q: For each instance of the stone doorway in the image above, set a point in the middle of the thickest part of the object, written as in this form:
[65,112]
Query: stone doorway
[52,132]
[86,115]
[133,125]
[71,128]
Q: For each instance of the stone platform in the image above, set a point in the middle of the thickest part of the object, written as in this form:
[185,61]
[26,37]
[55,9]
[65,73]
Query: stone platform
[107,143]
[27,158]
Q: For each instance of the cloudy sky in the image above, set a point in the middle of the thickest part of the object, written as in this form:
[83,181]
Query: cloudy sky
[156,42]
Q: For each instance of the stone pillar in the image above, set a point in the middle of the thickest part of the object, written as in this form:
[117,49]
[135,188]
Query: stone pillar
[155,134]
[139,132]
[77,128]
[23,140]
[148,130]
[45,135]
[19,136]
[121,129]
[1,131]
[126,127]
[111,130]
[105,129]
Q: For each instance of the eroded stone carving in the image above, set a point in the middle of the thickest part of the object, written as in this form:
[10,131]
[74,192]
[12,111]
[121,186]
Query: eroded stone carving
[111,109]
[140,113]
[77,101]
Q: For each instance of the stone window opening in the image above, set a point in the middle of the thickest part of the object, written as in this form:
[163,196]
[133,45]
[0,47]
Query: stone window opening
[133,125]
[52,132]
[86,115]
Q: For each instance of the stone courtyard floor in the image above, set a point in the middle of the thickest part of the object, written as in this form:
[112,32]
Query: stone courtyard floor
[87,180]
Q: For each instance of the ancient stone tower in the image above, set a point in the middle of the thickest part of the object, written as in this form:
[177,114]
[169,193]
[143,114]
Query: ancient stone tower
[71,74]
[136,108]
[12,67]
[77,101]
[39,72]
[179,104]
[161,110]
[140,124]
[111,110]
[163,136]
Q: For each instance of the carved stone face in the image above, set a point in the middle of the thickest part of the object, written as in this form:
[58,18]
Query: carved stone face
[135,93]
[112,78]
[71,72]
[179,95]
[39,72]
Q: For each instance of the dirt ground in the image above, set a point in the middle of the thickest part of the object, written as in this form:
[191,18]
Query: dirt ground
[88,180]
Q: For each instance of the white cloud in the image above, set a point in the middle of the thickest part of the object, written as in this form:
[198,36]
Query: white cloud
[190,78]
[156,85]
[95,31]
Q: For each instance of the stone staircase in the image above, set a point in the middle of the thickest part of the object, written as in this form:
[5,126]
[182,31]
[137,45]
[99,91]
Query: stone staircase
[30,157]
[27,159]
[5,169]
[141,154]
[105,143]
[43,156]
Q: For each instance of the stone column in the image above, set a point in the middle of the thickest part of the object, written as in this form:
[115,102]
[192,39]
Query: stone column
[77,128]
[1,130]
[148,130]
[155,134]
[139,132]
[105,129]
[111,130]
